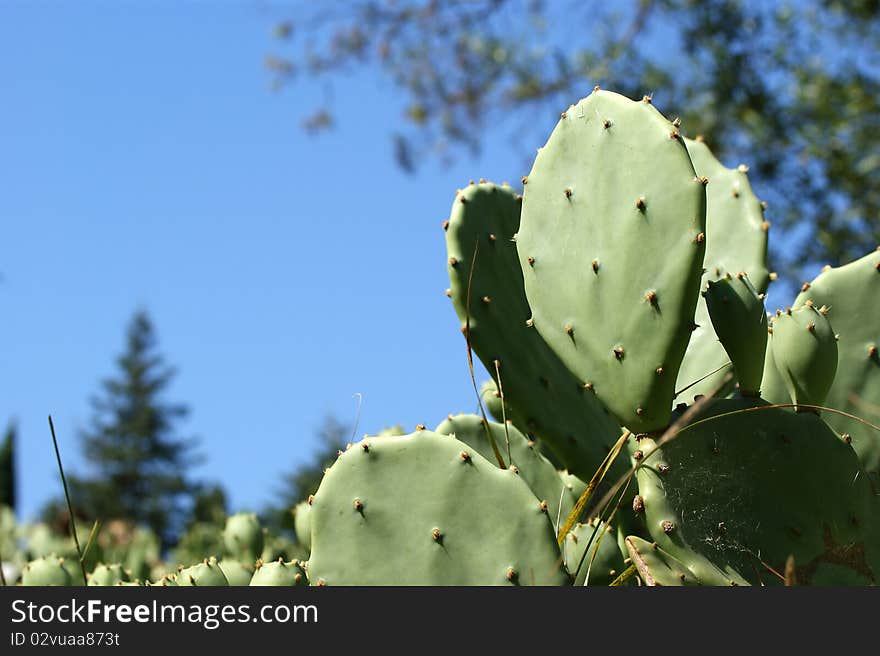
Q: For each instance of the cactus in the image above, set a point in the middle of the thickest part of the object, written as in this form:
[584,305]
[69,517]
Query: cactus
[740,321]
[538,472]
[206,573]
[104,575]
[852,292]
[612,261]
[302,524]
[592,555]
[243,536]
[544,399]
[805,353]
[279,573]
[236,573]
[736,241]
[427,509]
[655,566]
[746,485]
[46,570]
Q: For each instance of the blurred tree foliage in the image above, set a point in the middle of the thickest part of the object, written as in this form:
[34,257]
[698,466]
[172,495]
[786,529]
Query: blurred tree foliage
[7,467]
[792,88]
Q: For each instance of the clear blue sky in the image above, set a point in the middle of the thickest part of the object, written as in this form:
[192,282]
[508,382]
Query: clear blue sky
[145,162]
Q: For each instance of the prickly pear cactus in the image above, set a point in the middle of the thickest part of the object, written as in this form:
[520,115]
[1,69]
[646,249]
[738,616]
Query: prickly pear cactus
[592,555]
[612,254]
[104,575]
[427,509]
[541,395]
[243,536]
[237,573]
[740,321]
[207,573]
[302,524]
[736,240]
[746,485]
[805,353]
[655,566]
[47,570]
[538,472]
[853,294]
[279,573]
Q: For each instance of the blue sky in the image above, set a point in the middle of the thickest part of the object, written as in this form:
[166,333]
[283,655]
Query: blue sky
[146,162]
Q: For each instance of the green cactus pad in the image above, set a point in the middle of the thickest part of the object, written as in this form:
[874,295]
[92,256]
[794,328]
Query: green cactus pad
[302,524]
[599,542]
[541,396]
[104,575]
[427,509]
[736,241]
[853,294]
[746,485]
[612,254]
[655,566]
[740,321]
[207,573]
[279,573]
[47,570]
[237,573]
[805,353]
[243,536]
[538,472]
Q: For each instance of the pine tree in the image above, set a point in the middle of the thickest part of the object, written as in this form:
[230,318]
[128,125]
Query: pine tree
[7,468]
[140,465]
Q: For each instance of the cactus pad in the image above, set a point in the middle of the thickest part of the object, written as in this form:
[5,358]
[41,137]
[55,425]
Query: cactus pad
[612,255]
[542,396]
[853,294]
[805,353]
[427,509]
[740,321]
[733,496]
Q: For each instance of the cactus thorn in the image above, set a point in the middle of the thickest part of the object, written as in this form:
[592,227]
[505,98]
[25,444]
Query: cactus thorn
[640,203]
[638,454]
[668,527]
[465,456]
[568,192]
[618,352]
[530,260]
[446,224]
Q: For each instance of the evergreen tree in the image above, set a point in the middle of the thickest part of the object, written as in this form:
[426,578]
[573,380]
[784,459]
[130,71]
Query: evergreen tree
[140,464]
[7,468]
